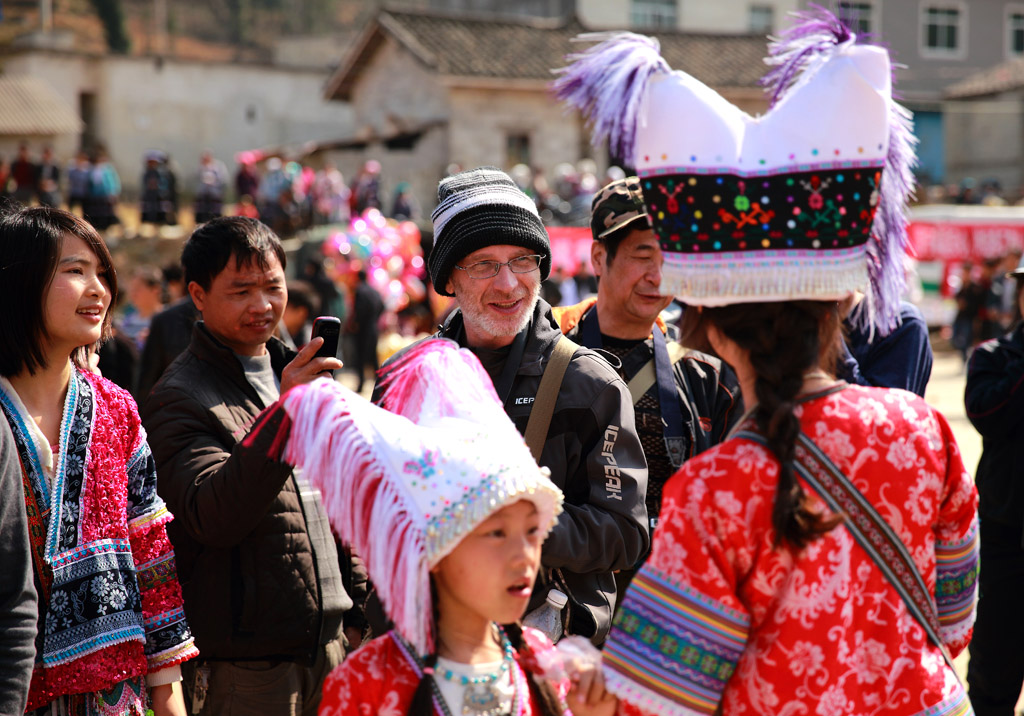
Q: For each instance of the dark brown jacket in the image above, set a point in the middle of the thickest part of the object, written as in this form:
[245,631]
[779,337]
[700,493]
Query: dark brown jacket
[245,559]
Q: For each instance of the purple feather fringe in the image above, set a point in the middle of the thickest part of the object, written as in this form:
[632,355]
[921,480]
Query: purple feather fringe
[607,83]
[813,37]
[816,35]
[889,243]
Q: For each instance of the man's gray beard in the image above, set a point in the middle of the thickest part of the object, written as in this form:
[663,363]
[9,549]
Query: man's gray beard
[497,328]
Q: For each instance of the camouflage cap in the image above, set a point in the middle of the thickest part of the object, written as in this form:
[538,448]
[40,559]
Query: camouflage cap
[616,205]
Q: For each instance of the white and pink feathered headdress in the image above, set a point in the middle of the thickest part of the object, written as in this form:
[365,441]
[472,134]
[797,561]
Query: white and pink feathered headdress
[403,485]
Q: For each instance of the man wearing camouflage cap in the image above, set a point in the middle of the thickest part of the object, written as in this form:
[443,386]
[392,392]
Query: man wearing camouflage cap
[685,401]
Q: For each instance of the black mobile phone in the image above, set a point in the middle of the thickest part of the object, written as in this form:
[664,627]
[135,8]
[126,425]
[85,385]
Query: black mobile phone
[328,328]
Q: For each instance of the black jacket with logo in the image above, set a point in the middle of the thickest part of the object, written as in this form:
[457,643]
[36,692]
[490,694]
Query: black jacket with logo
[709,393]
[595,457]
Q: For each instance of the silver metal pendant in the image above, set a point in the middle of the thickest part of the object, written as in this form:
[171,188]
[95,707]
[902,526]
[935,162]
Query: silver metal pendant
[481,700]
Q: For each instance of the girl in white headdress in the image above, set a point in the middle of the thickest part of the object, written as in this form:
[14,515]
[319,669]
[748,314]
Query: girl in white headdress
[441,498]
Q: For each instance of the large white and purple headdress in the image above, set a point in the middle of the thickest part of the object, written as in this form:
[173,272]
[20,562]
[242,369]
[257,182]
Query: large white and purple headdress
[805,202]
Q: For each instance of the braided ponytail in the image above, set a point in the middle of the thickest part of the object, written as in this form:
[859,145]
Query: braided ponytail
[784,341]
[541,690]
[423,697]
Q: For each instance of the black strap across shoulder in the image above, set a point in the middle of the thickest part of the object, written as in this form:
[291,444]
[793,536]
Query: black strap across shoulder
[668,395]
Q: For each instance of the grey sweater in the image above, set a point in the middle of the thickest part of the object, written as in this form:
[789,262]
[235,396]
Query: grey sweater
[18,608]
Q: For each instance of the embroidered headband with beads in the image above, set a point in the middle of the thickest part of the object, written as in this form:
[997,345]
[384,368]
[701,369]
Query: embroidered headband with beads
[805,202]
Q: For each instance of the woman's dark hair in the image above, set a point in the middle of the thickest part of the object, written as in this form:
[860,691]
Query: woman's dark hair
[784,341]
[31,241]
[212,245]
[422,698]
[547,698]
[423,695]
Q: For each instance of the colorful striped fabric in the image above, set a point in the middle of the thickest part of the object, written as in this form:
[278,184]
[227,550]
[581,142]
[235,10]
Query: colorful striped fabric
[956,572]
[673,649]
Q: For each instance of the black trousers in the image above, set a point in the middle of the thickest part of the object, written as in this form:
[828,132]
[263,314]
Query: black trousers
[366,354]
[995,671]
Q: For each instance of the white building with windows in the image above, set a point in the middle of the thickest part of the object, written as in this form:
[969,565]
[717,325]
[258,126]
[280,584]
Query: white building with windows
[724,16]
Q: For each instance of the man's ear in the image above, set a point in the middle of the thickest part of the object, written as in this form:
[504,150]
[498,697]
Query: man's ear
[598,256]
[197,293]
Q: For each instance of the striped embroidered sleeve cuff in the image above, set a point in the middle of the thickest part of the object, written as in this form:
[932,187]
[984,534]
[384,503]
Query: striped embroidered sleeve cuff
[956,584]
[673,649]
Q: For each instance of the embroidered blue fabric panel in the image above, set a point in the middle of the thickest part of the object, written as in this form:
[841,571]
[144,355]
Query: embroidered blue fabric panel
[94,603]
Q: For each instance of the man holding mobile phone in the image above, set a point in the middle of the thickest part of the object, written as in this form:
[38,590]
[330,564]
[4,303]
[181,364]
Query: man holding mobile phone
[262,582]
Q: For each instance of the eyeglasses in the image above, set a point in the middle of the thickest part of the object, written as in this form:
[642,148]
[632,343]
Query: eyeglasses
[487,269]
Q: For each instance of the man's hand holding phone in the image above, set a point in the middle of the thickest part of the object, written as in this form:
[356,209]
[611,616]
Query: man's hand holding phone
[317,358]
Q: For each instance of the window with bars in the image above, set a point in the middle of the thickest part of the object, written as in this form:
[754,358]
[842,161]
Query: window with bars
[517,149]
[653,13]
[856,16]
[761,18]
[1015,25]
[942,29]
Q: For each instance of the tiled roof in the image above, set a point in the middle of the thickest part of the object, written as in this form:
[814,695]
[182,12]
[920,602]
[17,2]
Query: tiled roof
[520,49]
[28,105]
[1001,78]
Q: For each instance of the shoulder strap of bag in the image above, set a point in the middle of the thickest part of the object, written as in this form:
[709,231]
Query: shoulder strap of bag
[640,383]
[870,530]
[547,394]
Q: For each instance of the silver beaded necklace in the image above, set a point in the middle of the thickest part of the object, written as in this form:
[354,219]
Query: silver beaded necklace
[480,695]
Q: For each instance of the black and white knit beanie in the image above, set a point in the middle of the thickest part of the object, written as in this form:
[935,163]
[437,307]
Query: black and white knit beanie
[478,208]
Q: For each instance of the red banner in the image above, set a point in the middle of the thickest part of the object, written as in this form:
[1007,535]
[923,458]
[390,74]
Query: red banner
[956,241]
[570,245]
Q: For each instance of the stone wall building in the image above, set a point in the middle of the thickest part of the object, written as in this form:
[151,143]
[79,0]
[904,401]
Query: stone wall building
[134,104]
[32,111]
[428,89]
[985,128]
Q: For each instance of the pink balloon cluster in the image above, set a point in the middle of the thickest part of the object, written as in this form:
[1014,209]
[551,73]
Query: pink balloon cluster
[389,251]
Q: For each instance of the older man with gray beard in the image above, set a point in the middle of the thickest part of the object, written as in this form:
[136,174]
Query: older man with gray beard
[491,252]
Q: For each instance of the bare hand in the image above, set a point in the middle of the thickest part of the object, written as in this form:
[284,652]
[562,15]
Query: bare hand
[588,696]
[167,700]
[354,635]
[306,367]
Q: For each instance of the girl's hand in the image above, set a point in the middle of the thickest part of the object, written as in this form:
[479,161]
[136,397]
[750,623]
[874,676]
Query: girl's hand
[167,700]
[588,696]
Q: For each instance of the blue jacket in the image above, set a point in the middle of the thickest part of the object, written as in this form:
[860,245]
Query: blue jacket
[902,359]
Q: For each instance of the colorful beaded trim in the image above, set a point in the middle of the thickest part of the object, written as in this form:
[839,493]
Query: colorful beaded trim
[813,209]
[509,655]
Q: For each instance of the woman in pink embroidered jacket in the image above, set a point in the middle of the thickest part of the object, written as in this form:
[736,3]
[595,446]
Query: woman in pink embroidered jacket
[112,629]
